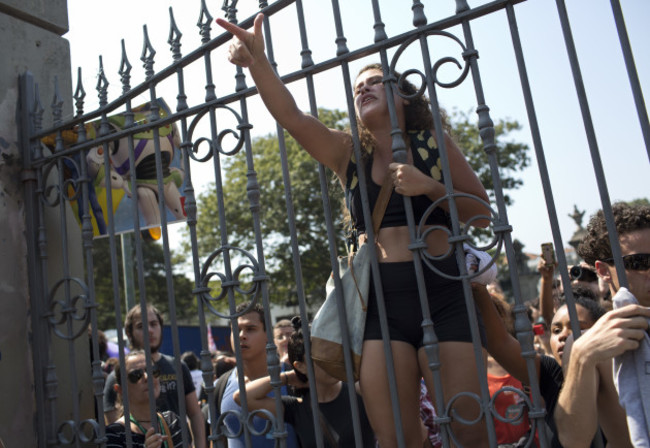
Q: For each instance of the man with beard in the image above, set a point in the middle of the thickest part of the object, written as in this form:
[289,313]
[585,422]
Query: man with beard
[168,398]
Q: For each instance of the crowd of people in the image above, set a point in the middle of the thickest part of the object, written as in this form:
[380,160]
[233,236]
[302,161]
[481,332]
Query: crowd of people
[591,386]
[583,396]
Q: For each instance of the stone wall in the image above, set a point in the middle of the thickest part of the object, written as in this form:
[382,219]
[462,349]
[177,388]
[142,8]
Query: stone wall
[32,39]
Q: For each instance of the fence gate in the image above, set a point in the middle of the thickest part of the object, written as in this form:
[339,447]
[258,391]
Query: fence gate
[110,178]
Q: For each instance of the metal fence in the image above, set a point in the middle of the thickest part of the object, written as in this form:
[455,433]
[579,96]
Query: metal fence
[62,162]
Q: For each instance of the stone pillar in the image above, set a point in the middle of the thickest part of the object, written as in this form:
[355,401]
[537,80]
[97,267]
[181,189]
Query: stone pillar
[31,34]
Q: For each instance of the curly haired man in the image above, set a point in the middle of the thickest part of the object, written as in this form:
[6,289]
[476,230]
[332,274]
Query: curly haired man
[587,398]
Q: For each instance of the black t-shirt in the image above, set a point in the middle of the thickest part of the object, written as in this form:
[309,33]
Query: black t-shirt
[337,413]
[168,398]
[551,379]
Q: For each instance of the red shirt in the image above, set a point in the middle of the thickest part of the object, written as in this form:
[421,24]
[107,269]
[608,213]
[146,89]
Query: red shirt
[509,404]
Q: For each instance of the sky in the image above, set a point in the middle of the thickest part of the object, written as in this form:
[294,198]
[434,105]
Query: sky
[98,30]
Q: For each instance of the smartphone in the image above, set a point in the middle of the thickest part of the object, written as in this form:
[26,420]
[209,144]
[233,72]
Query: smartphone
[548,254]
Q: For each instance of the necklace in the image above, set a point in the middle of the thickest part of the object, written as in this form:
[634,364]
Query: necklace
[141,428]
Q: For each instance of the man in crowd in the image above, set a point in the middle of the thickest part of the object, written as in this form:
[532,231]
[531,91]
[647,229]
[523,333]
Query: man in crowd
[252,342]
[586,398]
[282,332]
[168,398]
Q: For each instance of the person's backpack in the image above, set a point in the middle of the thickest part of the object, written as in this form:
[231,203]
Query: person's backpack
[220,388]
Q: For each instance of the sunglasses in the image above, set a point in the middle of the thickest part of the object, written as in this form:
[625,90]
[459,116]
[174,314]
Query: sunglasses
[136,375]
[634,262]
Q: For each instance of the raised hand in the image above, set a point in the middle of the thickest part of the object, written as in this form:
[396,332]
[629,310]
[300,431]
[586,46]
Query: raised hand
[246,47]
[615,333]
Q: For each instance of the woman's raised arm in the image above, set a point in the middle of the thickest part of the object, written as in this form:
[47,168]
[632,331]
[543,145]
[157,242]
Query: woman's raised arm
[329,146]
[503,347]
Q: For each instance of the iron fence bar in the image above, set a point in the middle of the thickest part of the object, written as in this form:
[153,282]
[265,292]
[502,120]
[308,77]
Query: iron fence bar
[632,73]
[174,41]
[142,300]
[486,132]
[595,154]
[253,191]
[87,237]
[102,85]
[342,50]
[147,57]
[125,76]
[397,145]
[51,379]
[522,322]
[68,304]
[307,61]
[33,219]
[86,234]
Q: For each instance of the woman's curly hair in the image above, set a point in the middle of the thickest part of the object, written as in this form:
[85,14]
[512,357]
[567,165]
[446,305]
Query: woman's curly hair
[628,218]
[417,113]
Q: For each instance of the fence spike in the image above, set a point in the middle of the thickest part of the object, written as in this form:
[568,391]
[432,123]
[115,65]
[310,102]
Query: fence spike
[79,94]
[57,102]
[230,8]
[174,39]
[37,109]
[102,84]
[125,70]
[205,20]
[148,53]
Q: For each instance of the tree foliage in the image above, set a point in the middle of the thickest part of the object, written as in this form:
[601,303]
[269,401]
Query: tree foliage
[306,199]
[155,283]
[512,156]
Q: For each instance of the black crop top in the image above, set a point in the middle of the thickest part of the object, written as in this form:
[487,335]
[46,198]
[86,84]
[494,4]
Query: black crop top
[426,158]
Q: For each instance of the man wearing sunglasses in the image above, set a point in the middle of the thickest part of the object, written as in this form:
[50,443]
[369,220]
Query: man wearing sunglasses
[136,332]
[588,397]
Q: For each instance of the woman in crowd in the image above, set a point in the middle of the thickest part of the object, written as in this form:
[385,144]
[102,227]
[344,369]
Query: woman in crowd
[143,432]
[507,352]
[421,179]
[333,401]
[588,311]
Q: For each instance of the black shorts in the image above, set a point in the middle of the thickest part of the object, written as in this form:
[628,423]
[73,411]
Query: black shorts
[403,309]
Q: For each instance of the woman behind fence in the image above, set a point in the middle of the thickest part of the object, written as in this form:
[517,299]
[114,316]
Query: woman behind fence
[334,149]
[143,432]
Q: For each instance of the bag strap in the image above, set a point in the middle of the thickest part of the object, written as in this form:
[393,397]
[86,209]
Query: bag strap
[168,433]
[381,204]
[330,433]
[220,388]
[377,217]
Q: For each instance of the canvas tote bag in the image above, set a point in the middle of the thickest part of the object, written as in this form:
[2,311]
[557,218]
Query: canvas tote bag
[354,270]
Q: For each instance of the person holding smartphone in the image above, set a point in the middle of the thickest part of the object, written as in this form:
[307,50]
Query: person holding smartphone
[164,432]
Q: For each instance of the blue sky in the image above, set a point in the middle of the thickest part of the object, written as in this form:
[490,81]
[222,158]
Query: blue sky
[96,29]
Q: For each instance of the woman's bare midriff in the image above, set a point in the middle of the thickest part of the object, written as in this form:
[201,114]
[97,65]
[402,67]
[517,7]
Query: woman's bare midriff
[393,242]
